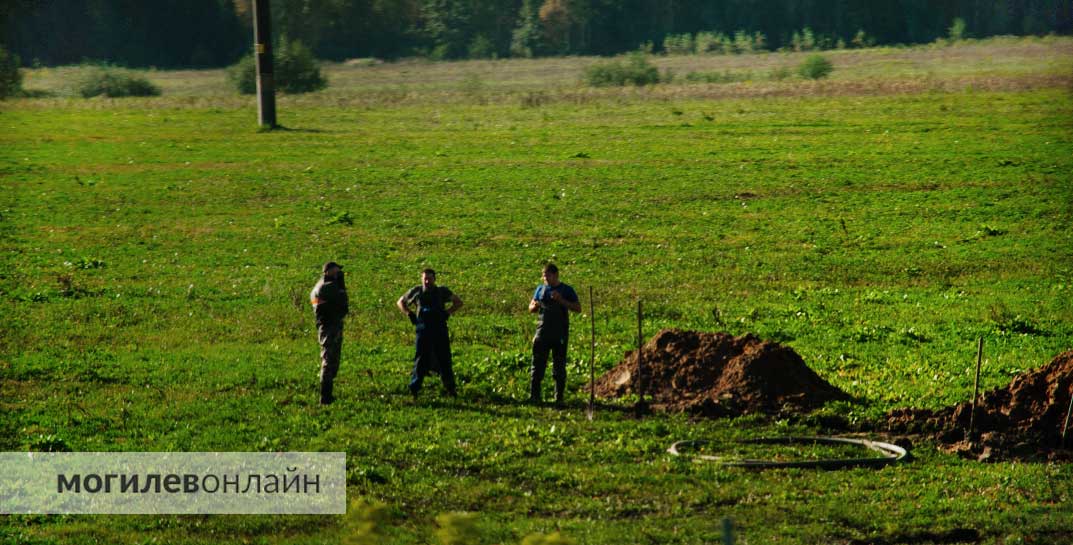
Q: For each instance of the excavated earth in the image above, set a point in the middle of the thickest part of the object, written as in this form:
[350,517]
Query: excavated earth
[715,374]
[1022,421]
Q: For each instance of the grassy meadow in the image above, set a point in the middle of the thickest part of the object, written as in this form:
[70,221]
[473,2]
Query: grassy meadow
[157,256]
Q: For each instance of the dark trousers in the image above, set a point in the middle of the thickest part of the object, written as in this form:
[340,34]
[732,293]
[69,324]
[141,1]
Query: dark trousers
[330,336]
[541,348]
[432,353]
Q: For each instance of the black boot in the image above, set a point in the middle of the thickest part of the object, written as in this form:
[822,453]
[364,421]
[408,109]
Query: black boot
[326,397]
[534,393]
[560,388]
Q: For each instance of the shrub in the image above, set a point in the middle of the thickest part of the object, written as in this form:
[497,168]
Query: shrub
[707,42]
[243,75]
[718,77]
[295,70]
[482,48]
[10,76]
[678,44]
[759,41]
[115,83]
[861,39]
[780,73]
[803,41]
[636,71]
[956,32]
[815,67]
[743,42]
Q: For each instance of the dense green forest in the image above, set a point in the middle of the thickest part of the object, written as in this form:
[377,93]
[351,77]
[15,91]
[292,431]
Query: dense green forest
[204,33]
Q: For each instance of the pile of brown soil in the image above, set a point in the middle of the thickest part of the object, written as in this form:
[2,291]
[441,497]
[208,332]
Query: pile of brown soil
[1019,422]
[715,374]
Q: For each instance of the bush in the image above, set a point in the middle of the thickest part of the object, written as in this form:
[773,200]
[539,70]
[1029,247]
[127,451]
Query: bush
[636,71]
[861,39]
[780,73]
[115,83]
[295,70]
[678,44]
[718,77]
[10,76]
[815,67]
[707,42]
[243,75]
[956,32]
[482,48]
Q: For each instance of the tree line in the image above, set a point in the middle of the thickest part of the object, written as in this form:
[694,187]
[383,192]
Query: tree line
[210,33]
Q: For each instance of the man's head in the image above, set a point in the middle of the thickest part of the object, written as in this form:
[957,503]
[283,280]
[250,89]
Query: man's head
[331,269]
[428,278]
[551,275]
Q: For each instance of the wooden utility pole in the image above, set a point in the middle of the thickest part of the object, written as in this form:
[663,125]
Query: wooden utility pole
[262,47]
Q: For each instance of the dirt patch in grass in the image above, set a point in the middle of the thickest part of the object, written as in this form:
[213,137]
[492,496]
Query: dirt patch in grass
[715,374]
[1022,421]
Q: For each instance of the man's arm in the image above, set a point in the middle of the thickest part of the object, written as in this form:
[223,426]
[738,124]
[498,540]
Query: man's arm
[534,303]
[574,305]
[456,304]
[402,304]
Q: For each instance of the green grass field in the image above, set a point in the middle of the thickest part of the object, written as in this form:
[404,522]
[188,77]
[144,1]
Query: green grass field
[158,254]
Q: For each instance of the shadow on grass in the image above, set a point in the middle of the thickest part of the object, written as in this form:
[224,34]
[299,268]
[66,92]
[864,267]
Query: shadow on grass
[281,128]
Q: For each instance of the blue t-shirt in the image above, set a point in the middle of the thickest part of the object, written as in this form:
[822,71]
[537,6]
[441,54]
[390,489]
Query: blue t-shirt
[554,319]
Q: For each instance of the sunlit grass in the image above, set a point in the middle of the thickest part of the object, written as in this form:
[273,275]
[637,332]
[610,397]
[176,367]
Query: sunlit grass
[157,254]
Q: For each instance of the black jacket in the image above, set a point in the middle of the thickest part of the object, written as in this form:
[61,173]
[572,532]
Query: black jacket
[330,301]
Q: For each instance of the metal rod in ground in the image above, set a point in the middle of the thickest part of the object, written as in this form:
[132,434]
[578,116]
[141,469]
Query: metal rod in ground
[1065,427]
[640,360]
[262,47]
[592,356]
[976,387]
[728,532]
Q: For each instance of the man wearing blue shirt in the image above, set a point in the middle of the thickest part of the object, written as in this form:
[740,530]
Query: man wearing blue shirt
[553,302]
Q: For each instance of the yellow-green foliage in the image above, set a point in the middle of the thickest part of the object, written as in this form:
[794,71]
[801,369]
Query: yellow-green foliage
[457,529]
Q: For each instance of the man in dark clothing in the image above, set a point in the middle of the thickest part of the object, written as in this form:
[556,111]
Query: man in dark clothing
[330,305]
[553,301]
[433,342]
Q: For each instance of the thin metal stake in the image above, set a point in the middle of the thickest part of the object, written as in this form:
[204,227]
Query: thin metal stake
[640,359]
[1065,427]
[976,387]
[592,357]
[728,532]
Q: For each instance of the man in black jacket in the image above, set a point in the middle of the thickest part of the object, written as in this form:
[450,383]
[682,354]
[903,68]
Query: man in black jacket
[433,341]
[330,304]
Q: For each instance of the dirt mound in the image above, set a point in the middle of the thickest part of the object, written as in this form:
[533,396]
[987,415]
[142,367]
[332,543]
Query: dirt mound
[714,374]
[1021,421]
